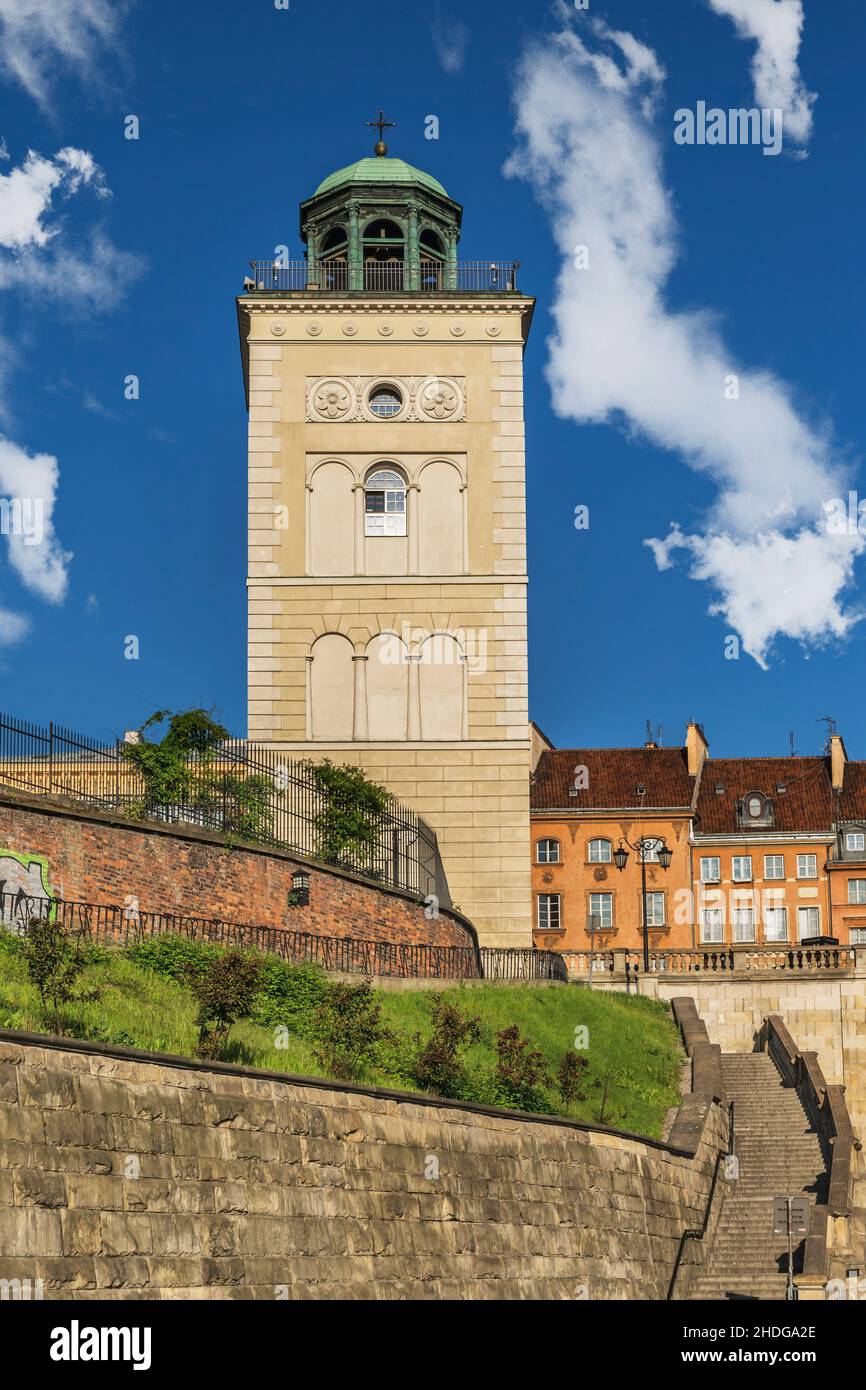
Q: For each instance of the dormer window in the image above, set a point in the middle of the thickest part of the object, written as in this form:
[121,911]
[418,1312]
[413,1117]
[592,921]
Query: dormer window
[640,789]
[756,809]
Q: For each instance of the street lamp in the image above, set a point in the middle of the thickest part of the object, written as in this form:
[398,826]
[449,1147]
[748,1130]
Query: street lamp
[648,844]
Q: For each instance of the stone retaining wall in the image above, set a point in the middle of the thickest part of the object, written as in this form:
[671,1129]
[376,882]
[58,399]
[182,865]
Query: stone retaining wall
[124,1175]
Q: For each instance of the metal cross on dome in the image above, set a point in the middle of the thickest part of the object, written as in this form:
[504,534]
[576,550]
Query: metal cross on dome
[382,125]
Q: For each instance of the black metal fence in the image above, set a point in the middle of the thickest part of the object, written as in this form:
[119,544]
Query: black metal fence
[383,277]
[106,925]
[242,790]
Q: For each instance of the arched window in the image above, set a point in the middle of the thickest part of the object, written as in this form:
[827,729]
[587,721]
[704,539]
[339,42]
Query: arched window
[432,259]
[385,503]
[334,256]
[599,851]
[384,255]
[547,851]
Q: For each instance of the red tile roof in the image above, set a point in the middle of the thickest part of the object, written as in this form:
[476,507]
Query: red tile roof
[806,805]
[852,801]
[614,776]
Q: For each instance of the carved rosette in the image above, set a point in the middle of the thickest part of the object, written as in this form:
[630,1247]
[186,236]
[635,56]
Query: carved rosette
[345,400]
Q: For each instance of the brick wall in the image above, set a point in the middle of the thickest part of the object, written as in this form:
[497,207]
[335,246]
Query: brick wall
[124,1176]
[90,856]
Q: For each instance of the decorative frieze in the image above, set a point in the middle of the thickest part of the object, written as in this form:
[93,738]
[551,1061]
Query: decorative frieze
[425,399]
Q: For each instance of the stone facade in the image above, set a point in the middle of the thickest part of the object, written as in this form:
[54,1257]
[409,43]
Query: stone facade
[826,1015]
[125,1176]
[454,741]
[92,856]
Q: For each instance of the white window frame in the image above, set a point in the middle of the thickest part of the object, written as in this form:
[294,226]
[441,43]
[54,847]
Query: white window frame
[813,931]
[653,898]
[548,900]
[599,852]
[712,921]
[391,522]
[557,858]
[775,860]
[858,936]
[857,835]
[605,925]
[743,925]
[860,899]
[711,876]
[771,914]
[809,858]
[736,861]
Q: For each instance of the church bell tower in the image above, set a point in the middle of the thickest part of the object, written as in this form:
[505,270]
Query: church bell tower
[387,542]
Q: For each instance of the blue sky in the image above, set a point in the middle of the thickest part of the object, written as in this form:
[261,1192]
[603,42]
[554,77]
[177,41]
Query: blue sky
[243,110]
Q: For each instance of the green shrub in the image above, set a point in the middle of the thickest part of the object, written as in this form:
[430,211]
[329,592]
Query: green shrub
[571,1079]
[289,995]
[347,1030]
[56,958]
[438,1066]
[520,1073]
[174,957]
[350,814]
[226,992]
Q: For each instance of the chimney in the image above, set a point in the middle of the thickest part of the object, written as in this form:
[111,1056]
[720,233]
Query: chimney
[697,748]
[838,759]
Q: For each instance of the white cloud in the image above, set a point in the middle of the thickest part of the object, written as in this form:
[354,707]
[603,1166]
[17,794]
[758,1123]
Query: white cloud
[31,480]
[777,28]
[27,193]
[588,145]
[451,40]
[37,39]
[13,627]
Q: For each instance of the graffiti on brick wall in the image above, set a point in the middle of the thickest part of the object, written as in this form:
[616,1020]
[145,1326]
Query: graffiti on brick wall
[23,882]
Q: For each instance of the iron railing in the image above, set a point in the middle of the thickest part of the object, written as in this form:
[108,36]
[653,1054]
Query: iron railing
[243,790]
[108,925]
[383,277]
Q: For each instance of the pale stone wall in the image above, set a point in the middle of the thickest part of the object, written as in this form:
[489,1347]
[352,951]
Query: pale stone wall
[473,788]
[126,1177]
[823,1014]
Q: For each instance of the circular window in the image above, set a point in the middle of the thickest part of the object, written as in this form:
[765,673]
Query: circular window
[386,402]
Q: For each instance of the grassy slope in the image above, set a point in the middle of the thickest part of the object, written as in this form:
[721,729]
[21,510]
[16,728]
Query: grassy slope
[633,1049]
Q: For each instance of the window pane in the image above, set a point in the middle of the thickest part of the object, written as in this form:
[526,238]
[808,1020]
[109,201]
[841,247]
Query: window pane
[807,866]
[855,842]
[742,868]
[599,851]
[601,910]
[776,924]
[744,924]
[857,890]
[774,866]
[808,922]
[858,936]
[710,870]
[655,909]
[712,925]
[548,912]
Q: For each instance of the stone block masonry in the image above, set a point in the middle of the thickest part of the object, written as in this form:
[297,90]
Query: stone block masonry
[99,857]
[126,1175]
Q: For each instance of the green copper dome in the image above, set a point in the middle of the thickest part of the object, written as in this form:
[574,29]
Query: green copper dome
[378,170]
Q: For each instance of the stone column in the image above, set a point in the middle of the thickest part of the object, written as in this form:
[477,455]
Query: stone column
[412,280]
[356,267]
[360,728]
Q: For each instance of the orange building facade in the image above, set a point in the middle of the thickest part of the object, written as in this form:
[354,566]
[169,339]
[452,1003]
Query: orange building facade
[764,851]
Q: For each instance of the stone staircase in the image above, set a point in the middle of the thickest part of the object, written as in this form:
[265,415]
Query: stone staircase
[779,1155]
